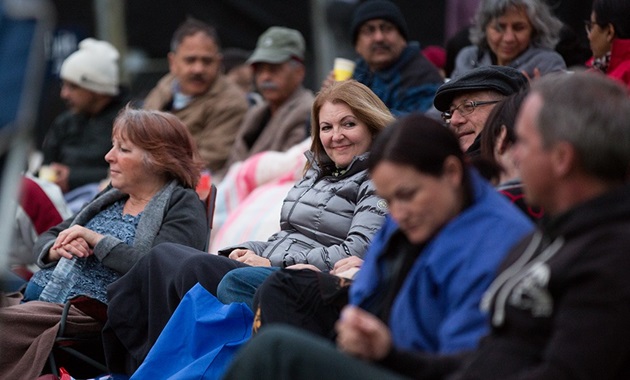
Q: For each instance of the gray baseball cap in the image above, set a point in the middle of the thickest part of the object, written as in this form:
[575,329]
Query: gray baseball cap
[277,45]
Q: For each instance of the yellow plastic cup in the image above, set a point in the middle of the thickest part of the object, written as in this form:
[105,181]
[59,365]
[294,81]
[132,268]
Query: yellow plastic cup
[47,173]
[343,69]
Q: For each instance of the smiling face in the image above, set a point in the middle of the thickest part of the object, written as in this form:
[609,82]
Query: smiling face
[468,127]
[342,134]
[509,35]
[195,63]
[380,43]
[421,204]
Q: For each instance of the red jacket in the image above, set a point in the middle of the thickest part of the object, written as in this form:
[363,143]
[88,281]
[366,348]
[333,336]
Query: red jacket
[619,67]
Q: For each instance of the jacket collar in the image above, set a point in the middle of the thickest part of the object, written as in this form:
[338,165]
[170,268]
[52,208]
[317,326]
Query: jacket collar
[612,206]
[363,73]
[358,163]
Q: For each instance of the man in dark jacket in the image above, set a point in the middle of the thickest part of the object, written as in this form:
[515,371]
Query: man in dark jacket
[395,69]
[559,309]
[76,144]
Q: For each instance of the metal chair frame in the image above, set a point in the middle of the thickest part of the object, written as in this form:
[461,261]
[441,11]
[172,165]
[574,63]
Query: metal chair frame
[66,343]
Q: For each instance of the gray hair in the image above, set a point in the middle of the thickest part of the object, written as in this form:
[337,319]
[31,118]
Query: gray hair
[545,26]
[595,122]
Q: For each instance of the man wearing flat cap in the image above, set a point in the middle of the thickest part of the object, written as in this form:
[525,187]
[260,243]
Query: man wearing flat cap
[195,90]
[466,102]
[395,69]
[74,147]
[281,121]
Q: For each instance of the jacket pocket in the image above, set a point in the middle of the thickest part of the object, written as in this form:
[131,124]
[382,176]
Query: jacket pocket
[294,251]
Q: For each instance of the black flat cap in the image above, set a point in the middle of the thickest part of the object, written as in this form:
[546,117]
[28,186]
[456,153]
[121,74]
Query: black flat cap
[502,79]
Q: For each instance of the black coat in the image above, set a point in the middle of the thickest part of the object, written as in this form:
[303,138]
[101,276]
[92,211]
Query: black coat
[81,143]
[560,309]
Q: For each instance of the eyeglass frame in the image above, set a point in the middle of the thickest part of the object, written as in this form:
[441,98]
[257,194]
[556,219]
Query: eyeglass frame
[448,115]
[588,25]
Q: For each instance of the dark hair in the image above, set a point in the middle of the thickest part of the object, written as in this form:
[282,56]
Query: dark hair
[171,150]
[502,115]
[422,143]
[234,57]
[191,27]
[615,12]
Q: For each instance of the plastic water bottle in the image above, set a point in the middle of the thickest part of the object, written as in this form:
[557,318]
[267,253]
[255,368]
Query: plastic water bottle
[63,279]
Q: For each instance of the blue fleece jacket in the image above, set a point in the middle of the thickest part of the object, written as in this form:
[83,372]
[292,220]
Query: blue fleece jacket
[409,85]
[437,308]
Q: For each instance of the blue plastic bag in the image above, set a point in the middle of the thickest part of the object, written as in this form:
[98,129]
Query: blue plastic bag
[200,339]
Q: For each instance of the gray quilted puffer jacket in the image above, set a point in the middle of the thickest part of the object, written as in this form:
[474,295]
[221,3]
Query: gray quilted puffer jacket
[324,218]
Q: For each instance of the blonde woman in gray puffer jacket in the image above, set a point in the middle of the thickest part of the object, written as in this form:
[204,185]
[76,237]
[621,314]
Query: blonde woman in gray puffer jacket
[331,214]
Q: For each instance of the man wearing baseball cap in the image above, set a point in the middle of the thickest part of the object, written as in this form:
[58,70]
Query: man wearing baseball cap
[466,102]
[281,121]
[389,65]
[75,145]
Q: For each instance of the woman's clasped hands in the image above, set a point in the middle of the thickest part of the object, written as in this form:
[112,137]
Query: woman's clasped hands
[75,241]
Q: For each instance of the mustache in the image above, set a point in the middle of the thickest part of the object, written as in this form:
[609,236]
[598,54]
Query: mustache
[197,77]
[380,45]
[267,86]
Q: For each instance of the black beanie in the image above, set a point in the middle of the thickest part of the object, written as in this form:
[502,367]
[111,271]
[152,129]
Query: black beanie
[502,79]
[374,9]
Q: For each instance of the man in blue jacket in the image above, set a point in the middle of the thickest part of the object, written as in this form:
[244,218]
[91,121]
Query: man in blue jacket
[395,69]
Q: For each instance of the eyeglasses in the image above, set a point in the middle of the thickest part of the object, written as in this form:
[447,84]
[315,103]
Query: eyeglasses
[588,25]
[466,108]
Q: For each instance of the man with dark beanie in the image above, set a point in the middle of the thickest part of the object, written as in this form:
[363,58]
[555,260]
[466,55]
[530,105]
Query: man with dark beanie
[389,65]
